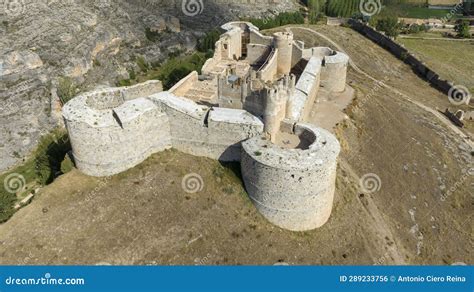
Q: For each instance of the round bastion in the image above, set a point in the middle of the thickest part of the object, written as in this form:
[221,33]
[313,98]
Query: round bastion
[292,185]
[334,71]
[114,129]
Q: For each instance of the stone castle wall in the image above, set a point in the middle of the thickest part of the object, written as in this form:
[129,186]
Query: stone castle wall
[292,188]
[106,141]
[403,54]
[111,140]
[270,69]
[301,102]
[115,129]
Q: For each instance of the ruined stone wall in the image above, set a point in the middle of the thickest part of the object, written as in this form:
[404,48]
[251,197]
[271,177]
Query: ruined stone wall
[230,95]
[403,54]
[257,38]
[143,89]
[198,130]
[185,84]
[233,41]
[187,120]
[255,104]
[292,188]
[270,69]
[297,53]
[255,52]
[227,129]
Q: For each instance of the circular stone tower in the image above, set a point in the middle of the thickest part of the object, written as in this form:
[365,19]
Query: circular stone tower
[292,185]
[284,44]
[334,71]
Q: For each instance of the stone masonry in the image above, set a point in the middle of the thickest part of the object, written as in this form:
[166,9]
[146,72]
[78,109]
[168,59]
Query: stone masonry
[250,104]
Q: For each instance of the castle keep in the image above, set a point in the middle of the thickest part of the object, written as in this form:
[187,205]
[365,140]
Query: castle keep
[250,104]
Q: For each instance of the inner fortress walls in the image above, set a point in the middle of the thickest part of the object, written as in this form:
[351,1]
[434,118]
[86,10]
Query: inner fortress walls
[269,70]
[215,133]
[255,52]
[300,103]
[232,44]
[292,188]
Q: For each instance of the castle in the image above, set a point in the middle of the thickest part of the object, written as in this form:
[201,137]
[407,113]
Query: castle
[250,104]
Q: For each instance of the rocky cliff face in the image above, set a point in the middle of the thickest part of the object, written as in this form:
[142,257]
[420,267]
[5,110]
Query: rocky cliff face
[92,43]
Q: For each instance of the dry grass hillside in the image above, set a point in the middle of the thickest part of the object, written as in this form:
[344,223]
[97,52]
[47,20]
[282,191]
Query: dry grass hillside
[421,214]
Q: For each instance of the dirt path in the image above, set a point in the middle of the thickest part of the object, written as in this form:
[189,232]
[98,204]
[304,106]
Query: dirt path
[381,228]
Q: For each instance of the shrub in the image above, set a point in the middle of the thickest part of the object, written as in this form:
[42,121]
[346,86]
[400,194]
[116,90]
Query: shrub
[152,36]
[316,8]
[124,82]
[389,25]
[48,157]
[142,64]
[177,68]
[7,203]
[66,89]
[207,43]
[463,30]
[67,165]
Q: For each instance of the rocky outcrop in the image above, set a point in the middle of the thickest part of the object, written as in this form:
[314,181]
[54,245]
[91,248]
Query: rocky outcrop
[92,42]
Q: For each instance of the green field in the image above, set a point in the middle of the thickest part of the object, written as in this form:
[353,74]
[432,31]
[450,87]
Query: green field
[452,60]
[411,11]
[340,8]
[407,9]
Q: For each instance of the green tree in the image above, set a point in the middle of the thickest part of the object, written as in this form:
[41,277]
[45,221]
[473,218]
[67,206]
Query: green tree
[389,25]
[462,28]
[315,8]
